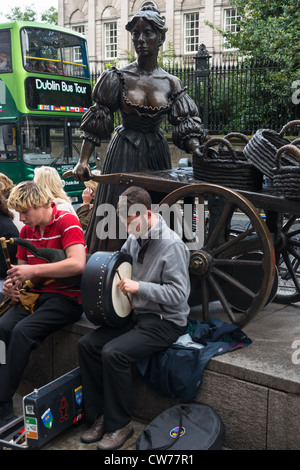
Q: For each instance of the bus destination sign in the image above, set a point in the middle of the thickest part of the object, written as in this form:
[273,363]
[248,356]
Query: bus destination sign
[48,94]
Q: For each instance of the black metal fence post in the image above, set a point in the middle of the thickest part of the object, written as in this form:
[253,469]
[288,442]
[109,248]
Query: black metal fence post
[202,81]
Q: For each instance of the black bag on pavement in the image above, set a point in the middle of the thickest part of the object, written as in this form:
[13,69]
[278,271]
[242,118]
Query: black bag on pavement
[190,426]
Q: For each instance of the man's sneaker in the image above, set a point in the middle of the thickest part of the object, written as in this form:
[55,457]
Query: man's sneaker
[6,412]
[114,440]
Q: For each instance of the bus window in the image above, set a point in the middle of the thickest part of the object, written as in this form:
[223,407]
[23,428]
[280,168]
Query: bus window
[36,143]
[5,51]
[50,141]
[54,52]
[8,143]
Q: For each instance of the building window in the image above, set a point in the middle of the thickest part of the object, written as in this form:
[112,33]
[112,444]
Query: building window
[191,32]
[78,29]
[230,20]
[77,50]
[230,24]
[110,40]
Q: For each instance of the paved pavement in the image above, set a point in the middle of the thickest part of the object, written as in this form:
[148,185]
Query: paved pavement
[273,360]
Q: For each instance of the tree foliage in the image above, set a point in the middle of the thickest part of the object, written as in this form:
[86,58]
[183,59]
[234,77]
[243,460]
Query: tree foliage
[50,16]
[28,14]
[16,14]
[268,31]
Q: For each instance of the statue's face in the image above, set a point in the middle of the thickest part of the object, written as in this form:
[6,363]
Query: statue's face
[145,38]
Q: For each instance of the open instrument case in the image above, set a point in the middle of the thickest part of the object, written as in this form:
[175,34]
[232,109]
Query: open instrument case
[47,412]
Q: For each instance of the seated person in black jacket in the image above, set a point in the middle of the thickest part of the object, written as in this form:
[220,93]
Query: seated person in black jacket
[7,230]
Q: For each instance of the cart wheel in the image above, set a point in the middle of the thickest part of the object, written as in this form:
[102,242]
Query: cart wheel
[287,247]
[232,253]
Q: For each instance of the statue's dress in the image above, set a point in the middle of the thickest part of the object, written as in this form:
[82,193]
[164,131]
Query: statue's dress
[138,145]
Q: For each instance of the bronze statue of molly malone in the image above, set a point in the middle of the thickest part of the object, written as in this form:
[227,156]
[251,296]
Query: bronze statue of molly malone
[144,93]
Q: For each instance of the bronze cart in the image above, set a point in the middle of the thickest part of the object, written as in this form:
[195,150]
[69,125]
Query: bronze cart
[250,248]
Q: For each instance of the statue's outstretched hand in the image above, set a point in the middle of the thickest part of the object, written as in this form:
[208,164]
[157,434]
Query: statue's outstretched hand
[82,172]
[194,147]
[197,152]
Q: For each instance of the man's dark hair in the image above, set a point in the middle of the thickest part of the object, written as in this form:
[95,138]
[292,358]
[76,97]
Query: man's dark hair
[133,195]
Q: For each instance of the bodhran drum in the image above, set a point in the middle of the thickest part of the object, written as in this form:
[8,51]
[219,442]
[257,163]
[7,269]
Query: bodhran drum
[102,301]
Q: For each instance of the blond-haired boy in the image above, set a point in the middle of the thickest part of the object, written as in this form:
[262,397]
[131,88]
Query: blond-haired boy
[58,303]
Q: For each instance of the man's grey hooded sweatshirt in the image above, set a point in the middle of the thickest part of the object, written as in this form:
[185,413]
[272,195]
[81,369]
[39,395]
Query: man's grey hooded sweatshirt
[161,267]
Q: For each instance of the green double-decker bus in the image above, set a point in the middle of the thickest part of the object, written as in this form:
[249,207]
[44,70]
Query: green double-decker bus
[44,90]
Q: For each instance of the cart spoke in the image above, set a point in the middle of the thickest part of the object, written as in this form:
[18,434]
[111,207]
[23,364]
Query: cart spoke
[294,242]
[205,298]
[222,298]
[236,262]
[292,234]
[291,270]
[233,241]
[289,223]
[234,282]
[293,252]
[219,227]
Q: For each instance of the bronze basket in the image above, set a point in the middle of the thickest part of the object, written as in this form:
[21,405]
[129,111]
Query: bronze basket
[226,167]
[286,179]
[262,149]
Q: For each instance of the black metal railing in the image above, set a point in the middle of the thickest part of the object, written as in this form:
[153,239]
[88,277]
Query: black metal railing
[240,97]
[232,96]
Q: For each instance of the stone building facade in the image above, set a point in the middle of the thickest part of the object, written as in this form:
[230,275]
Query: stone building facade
[103,23]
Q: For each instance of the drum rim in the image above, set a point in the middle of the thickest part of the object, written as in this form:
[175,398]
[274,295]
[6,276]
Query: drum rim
[102,308]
